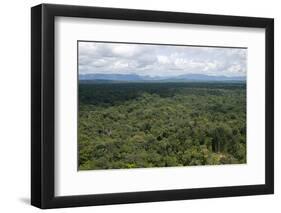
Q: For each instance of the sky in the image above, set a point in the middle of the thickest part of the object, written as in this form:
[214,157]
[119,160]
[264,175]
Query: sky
[160,60]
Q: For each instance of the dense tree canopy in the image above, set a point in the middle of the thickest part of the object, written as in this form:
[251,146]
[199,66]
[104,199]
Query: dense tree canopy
[136,125]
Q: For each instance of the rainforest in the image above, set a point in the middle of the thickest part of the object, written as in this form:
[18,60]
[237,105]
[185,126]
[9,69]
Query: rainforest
[123,125]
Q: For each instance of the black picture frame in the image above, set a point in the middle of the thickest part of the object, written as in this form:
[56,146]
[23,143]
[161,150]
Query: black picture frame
[43,111]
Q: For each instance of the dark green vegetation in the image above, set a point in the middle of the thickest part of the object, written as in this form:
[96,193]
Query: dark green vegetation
[136,125]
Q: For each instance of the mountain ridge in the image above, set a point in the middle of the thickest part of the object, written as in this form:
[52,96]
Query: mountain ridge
[139,78]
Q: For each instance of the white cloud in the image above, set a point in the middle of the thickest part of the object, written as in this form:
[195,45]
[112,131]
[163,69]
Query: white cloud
[160,60]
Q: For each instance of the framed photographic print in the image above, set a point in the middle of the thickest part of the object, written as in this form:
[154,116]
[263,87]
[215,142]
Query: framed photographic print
[139,106]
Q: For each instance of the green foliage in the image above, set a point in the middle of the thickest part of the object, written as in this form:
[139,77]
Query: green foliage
[136,125]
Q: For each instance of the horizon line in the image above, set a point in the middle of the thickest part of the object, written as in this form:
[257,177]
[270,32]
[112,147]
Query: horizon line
[160,75]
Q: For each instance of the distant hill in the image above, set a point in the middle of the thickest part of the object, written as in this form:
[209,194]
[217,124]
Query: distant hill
[202,77]
[111,77]
[99,77]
